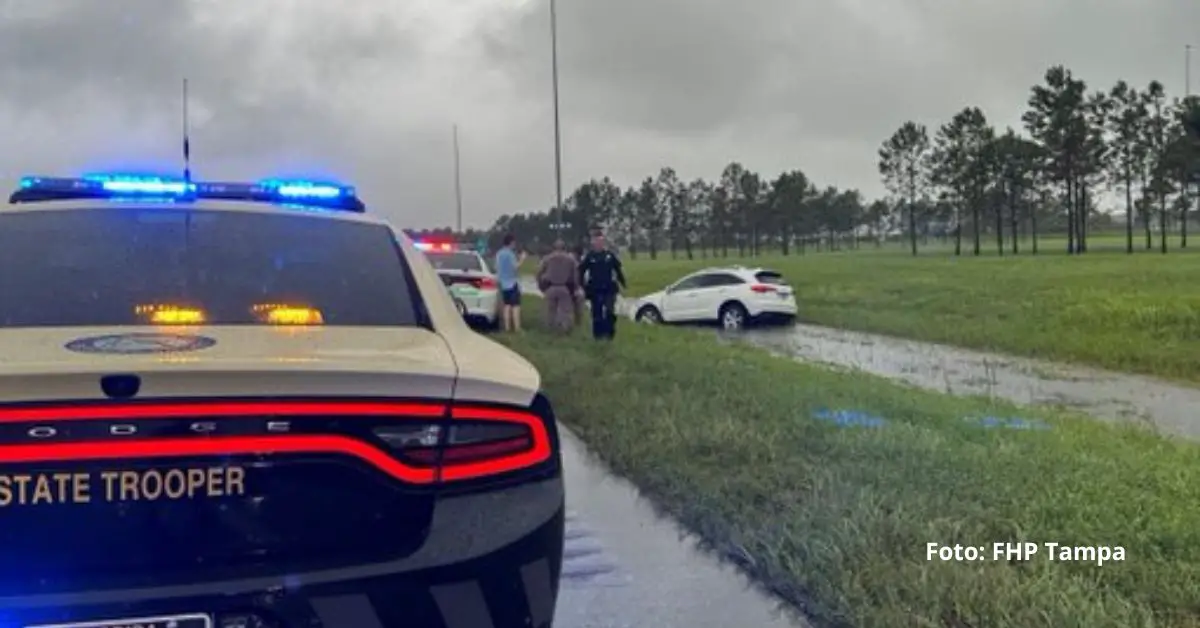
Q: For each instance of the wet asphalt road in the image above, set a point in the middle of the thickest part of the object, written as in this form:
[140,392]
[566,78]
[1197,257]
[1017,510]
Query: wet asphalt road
[626,567]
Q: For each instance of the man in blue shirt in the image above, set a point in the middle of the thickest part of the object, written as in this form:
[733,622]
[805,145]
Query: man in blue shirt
[507,265]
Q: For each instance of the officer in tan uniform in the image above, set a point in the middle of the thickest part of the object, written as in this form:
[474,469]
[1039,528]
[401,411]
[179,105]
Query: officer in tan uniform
[557,279]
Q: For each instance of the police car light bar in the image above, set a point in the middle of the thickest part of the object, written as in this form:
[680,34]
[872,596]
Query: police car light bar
[126,187]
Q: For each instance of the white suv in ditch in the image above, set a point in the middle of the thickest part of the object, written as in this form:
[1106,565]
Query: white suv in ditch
[732,297]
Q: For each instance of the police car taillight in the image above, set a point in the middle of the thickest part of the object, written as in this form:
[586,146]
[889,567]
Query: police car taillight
[486,283]
[441,247]
[478,442]
[415,442]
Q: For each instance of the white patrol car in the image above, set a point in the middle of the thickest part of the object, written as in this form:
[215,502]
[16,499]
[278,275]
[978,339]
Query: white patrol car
[220,409]
[471,282]
[732,297]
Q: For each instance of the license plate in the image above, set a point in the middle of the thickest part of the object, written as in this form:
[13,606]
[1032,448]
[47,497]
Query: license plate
[165,621]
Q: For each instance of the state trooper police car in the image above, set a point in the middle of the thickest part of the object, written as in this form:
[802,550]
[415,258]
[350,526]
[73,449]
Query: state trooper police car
[471,283]
[254,405]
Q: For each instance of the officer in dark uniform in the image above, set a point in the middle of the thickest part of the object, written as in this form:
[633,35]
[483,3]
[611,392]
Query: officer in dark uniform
[600,274]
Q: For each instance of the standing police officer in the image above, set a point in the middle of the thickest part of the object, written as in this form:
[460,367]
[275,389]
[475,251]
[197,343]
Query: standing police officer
[556,279]
[599,274]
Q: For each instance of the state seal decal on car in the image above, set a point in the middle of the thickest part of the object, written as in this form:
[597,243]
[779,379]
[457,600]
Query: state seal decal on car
[140,343]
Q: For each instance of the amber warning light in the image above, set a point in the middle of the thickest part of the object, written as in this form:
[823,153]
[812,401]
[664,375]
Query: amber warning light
[284,314]
[161,314]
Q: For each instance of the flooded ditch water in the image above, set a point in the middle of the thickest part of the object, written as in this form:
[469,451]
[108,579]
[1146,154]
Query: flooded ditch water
[1165,407]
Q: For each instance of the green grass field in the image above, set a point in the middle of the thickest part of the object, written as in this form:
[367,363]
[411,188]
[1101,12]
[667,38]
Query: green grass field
[837,519]
[1138,313]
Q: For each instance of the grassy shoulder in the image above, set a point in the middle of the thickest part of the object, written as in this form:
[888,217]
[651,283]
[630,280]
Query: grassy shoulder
[1138,313]
[837,519]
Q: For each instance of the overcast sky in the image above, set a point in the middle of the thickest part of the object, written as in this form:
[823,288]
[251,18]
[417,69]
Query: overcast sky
[368,90]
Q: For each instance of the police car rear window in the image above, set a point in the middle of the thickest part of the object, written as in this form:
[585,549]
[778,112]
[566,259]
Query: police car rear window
[454,261]
[112,266]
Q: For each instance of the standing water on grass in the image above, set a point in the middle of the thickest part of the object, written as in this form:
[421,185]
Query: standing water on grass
[1165,407]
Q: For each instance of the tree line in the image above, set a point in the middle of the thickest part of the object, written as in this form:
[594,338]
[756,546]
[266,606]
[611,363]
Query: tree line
[1077,145]
[965,177]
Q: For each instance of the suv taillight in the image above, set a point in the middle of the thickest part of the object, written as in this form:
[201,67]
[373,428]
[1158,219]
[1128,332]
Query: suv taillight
[762,288]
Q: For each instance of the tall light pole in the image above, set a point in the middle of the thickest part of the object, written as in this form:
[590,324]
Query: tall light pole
[457,184]
[557,130]
[1187,70]
[1187,91]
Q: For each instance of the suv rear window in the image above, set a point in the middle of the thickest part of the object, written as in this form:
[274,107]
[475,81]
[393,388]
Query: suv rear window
[103,266]
[770,277]
[454,261]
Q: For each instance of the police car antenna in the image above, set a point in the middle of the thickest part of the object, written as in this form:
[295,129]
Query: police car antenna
[187,151]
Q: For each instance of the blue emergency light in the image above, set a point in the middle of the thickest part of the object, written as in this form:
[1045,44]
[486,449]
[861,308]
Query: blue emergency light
[165,189]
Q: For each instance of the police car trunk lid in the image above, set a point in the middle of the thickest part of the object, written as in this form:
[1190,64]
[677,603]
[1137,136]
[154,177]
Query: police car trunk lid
[66,363]
[90,520]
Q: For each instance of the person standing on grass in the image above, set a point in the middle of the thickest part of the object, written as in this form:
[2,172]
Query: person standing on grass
[601,276]
[557,280]
[508,265]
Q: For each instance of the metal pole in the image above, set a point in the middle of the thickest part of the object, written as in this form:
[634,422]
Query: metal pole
[187,144]
[1187,91]
[457,184]
[557,130]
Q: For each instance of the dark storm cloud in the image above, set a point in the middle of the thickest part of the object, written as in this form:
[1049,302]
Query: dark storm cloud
[262,81]
[813,82]
[369,89]
[679,65]
[833,67]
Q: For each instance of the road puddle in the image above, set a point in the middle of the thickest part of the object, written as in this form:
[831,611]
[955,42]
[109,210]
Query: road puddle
[1163,406]
[626,567]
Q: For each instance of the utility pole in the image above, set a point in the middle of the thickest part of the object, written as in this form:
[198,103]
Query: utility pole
[457,185]
[1187,70]
[557,130]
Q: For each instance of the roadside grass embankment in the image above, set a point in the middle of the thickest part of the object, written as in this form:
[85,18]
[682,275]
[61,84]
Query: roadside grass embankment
[836,519]
[1138,313]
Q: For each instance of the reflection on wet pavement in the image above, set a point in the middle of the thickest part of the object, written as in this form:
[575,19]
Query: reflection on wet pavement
[626,567]
[1166,407]
[586,563]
